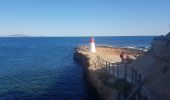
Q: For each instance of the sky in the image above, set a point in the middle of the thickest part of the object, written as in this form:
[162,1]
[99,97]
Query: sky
[84,17]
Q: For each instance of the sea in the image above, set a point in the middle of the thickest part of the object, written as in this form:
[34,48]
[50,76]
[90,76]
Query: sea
[43,68]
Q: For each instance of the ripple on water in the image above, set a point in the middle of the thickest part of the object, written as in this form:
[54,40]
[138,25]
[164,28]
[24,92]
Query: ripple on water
[42,69]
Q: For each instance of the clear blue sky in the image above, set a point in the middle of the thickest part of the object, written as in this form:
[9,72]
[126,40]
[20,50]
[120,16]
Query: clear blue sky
[84,17]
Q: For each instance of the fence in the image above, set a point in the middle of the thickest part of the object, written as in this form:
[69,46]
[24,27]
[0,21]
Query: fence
[122,72]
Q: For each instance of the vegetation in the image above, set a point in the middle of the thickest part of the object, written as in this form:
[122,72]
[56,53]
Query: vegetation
[121,85]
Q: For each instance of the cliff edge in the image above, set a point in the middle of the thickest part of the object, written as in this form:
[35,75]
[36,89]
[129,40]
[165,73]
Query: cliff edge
[156,67]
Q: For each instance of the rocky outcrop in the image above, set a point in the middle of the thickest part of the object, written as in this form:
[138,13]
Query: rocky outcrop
[160,47]
[156,67]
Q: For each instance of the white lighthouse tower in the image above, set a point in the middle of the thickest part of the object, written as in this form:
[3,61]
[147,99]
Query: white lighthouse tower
[92,45]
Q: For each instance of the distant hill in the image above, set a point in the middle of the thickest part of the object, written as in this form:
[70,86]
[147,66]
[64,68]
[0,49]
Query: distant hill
[18,35]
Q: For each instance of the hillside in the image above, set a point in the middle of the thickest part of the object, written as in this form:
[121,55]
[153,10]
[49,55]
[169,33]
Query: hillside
[18,35]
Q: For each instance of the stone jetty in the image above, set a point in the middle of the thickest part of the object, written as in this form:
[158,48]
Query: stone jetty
[106,84]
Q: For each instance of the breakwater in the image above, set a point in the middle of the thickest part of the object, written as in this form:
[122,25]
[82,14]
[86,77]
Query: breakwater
[103,71]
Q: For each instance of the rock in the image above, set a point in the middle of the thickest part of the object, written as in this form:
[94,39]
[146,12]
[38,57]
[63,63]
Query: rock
[156,67]
[160,47]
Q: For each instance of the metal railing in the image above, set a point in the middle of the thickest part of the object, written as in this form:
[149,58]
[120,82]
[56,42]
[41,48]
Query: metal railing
[122,71]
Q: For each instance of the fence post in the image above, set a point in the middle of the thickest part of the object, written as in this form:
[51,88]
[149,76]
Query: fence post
[101,63]
[139,78]
[132,76]
[117,71]
[135,80]
[125,67]
[113,69]
[106,65]
[138,82]
[109,66]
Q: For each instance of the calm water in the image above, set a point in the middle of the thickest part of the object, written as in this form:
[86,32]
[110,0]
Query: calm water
[44,69]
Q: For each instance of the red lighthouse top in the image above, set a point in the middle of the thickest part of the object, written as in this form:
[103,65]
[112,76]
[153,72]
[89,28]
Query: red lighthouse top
[91,40]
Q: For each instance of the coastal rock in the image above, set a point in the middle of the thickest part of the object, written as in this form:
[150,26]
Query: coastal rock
[160,47]
[156,67]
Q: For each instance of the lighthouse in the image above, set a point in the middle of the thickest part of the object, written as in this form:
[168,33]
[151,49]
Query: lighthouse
[92,45]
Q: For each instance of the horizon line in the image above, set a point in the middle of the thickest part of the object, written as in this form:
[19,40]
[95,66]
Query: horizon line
[81,36]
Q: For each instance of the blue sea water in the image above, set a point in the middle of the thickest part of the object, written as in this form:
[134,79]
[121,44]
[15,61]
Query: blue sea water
[42,68]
